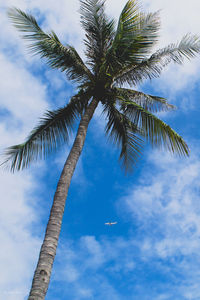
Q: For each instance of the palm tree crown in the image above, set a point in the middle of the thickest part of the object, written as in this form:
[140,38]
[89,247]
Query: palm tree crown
[114,57]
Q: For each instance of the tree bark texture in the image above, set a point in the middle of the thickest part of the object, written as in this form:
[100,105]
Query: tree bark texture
[48,249]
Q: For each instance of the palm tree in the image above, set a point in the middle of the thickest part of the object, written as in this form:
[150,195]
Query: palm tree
[115,57]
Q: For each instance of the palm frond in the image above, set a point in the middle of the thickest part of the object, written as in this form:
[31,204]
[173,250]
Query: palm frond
[52,131]
[136,34]
[124,133]
[99,31]
[48,46]
[146,101]
[157,132]
[150,68]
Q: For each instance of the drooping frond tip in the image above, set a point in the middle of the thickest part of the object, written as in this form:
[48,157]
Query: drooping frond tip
[49,47]
[148,102]
[125,135]
[150,68]
[52,131]
[157,132]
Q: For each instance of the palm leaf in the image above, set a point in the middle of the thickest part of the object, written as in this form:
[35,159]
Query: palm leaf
[99,31]
[49,47]
[157,132]
[124,133]
[135,36]
[150,68]
[146,101]
[52,131]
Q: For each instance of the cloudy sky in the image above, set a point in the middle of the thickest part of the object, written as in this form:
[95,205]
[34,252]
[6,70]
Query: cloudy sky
[153,251]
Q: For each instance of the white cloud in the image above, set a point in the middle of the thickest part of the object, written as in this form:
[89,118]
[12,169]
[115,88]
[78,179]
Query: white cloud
[169,196]
[22,96]
[165,205]
[84,266]
[19,248]
[23,100]
[177,19]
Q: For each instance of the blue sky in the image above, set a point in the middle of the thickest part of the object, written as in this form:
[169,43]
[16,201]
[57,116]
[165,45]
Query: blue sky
[153,251]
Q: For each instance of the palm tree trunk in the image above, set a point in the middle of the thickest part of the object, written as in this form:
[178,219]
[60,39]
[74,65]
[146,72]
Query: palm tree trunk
[48,250]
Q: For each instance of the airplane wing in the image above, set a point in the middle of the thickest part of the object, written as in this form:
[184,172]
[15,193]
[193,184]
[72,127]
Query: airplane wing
[110,223]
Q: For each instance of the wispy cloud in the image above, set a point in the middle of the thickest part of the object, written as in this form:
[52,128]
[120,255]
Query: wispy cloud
[19,247]
[165,206]
[23,99]
[86,266]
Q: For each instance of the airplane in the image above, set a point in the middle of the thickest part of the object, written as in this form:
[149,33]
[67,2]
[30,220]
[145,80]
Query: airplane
[110,223]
